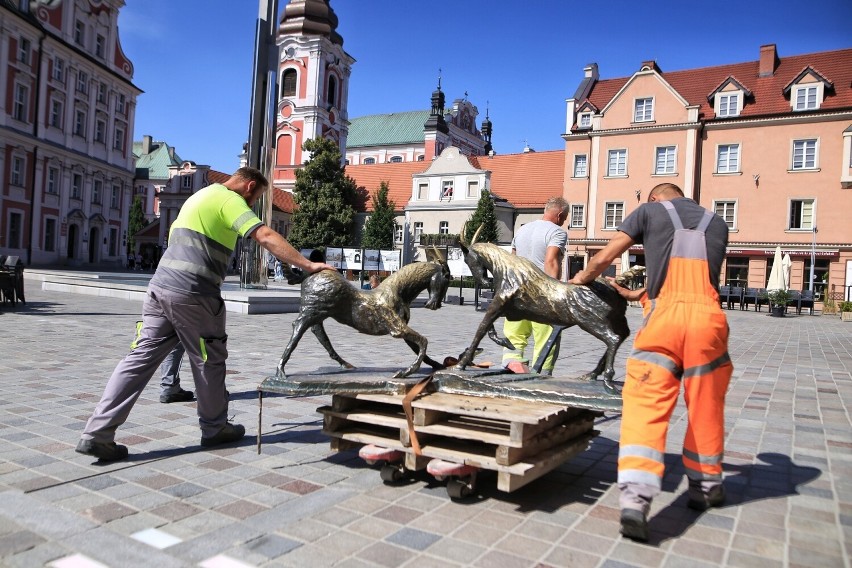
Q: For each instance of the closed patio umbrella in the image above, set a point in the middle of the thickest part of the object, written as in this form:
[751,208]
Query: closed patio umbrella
[776,276]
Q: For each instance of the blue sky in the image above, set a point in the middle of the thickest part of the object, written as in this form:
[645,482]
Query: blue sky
[193,58]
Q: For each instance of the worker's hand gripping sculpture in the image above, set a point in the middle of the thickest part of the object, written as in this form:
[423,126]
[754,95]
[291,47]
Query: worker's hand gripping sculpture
[523,291]
[381,311]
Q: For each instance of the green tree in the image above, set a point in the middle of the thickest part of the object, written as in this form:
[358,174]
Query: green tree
[136,223]
[380,227]
[325,197]
[485,216]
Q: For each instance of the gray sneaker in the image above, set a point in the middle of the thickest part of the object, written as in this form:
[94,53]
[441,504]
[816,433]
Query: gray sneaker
[228,433]
[102,450]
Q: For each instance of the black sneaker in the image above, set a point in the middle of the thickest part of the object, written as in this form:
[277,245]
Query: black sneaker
[103,451]
[229,433]
[634,525]
[714,498]
[180,396]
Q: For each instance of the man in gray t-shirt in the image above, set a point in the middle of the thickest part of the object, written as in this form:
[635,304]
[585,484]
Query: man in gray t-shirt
[543,242]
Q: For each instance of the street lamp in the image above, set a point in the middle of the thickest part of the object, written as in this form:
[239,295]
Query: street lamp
[813,259]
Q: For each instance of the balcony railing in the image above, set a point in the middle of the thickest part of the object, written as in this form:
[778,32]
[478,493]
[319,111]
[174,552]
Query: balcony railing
[439,240]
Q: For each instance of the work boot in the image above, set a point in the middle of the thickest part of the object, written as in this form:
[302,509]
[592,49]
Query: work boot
[104,451]
[634,524]
[228,433]
[180,396]
[701,501]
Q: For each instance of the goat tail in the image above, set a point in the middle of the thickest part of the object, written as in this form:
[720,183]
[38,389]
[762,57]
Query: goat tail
[629,275]
[292,276]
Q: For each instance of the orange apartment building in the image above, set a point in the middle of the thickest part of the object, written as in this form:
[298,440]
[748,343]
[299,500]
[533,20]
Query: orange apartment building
[766,144]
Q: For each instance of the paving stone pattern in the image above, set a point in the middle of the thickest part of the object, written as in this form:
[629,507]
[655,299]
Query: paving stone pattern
[788,463]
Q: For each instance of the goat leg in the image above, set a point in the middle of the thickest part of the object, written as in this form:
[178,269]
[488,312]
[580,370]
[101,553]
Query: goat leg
[300,326]
[428,360]
[410,336]
[319,331]
[501,341]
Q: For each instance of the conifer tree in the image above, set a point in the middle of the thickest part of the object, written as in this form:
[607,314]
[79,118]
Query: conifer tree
[380,227]
[135,223]
[325,197]
[485,216]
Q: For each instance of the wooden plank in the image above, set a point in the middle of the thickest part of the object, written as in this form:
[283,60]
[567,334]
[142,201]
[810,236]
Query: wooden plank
[416,463]
[357,415]
[544,463]
[507,455]
[495,408]
[341,445]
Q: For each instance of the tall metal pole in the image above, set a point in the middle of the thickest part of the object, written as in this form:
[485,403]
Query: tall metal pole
[261,141]
[813,259]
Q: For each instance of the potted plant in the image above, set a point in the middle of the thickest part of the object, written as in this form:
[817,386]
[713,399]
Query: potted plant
[829,306]
[778,302]
[846,311]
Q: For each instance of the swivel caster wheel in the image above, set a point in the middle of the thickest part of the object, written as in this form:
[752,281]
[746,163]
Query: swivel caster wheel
[459,488]
[392,473]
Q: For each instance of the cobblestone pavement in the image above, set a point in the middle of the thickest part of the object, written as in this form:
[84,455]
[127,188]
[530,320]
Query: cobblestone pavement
[788,463]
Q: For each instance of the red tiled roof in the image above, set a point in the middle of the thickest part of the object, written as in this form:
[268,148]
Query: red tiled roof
[283,200]
[768,98]
[525,180]
[214,176]
[397,175]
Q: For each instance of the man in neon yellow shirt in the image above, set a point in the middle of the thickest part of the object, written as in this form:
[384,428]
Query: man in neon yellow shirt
[184,303]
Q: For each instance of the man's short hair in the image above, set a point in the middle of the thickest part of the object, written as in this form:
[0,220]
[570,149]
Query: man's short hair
[666,189]
[556,203]
[252,174]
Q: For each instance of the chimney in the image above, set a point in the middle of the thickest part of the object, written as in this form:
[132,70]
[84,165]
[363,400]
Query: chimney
[650,65]
[591,71]
[146,144]
[768,60]
[171,152]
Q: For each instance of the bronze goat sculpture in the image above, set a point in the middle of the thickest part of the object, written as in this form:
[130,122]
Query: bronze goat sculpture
[381,311]
[523,291]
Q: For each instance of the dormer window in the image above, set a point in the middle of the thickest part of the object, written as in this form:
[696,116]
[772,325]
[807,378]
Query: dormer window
[584,120]
[728,104]
[644,110]
[806,97]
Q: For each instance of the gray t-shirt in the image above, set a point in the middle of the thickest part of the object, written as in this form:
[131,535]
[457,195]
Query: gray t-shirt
[531,240]
[651,226]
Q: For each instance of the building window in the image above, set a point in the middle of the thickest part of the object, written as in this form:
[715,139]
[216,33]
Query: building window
[58,69]
[16,176]
[665,160]
[118,142]
[581,162]
[100,46]
[395,159]
[121,103]
[397,233]
[331,96]
[804,154]
[102,92]
[418,230]
[728,159]
[728,105]
[421,157]
[585,120]
[613,214]
[97,190]
[100,128]
[617,163]
[20,104]
[116,195]
[80,123]
[79,33]
[578,215]
[24,51]
[76,186]
[56,112]
[186,182]
[49,235]
[447,190]
[802,214]
[369,161]
[82,82]
[14,230]
[806,98]
[444,228]
[288,83]
[473,189]
[727,210]
[52,180]
[644,111]
[423,191]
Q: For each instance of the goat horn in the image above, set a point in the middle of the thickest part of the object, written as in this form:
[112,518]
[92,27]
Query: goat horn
[462,240]
[438,256]
[476,235]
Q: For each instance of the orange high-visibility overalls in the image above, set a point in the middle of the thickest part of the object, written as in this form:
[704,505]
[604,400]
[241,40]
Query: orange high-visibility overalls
[684,340]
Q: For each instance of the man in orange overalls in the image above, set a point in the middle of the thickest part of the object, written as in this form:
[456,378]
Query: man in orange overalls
[684,340]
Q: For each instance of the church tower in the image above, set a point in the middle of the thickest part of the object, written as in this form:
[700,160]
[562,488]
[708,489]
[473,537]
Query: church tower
[313,85]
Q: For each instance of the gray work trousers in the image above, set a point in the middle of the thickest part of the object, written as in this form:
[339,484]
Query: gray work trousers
[198,322]
[170,370]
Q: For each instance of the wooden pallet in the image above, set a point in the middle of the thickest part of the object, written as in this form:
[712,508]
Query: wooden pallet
[519,440]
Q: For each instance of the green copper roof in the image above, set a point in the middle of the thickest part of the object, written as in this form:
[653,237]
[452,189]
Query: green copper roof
[383,129]
[155,164]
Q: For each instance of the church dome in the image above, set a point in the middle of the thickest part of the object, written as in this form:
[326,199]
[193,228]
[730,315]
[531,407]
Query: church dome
[310,17]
